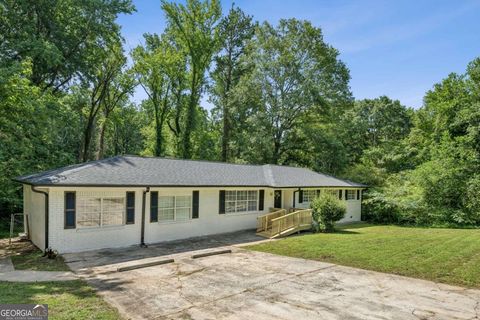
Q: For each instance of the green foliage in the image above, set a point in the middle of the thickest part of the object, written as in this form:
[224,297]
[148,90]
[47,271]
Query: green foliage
[193,25]
[295,77]
[327,209]
[235,30]
[33,136]
[280,94]
[61,38]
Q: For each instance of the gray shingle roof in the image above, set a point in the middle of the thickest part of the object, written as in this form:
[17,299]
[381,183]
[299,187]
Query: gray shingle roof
[149,171]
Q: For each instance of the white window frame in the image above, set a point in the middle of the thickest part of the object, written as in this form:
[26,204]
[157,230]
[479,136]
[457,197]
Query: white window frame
[354,194]
[309,195]
[175,207]
[333,192]
[236,202]
[101,224]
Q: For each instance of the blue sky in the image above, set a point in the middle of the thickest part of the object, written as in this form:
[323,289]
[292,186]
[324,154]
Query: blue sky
[394,48]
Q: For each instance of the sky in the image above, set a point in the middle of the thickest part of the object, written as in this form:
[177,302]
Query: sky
[394,48]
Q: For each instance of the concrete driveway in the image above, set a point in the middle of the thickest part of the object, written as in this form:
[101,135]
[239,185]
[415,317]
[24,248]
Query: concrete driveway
[252,285]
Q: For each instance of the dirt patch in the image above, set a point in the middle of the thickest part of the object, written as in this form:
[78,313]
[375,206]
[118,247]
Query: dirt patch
[17,247]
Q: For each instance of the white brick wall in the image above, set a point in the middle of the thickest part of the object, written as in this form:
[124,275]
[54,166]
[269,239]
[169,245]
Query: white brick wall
[82,239]
[209,221]
[34,207]
[354,208]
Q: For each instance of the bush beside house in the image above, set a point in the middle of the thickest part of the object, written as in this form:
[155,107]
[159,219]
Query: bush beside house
[327,209]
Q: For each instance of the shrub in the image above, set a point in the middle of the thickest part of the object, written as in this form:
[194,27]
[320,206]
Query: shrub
[327,210]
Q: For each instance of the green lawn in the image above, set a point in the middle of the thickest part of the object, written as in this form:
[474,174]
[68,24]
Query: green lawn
[66,299]
[444,255]
[33,260]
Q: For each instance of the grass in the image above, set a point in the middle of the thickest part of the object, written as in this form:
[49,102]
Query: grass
[66,299]
[444,255]
[33,260]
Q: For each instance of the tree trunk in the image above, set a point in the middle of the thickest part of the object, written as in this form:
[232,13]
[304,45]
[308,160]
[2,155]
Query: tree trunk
[87,138]
[226,115]
[158,131]
[101,139]
[190,121]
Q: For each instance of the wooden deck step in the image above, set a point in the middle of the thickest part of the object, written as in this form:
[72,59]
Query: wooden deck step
[265,234]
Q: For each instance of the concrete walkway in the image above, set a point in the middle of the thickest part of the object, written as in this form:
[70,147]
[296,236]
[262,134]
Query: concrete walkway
[254,285]
[8,273]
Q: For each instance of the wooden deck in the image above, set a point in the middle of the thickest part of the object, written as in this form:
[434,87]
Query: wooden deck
[279,223]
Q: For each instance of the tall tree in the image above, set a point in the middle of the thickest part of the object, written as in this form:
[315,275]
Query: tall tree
[97,87]
[373,123]
[60,37]
[158,66]
[193,26]
[235,30]
[295,73]
[117,95]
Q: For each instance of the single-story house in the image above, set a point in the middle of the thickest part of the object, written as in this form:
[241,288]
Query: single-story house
[132,200]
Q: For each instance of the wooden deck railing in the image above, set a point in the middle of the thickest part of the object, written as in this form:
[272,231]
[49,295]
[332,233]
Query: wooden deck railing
[285,223]
[264,222]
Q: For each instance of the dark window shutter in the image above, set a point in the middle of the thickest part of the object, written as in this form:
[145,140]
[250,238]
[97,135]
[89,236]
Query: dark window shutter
[70,205]
[154,206]
[300,196]
[130,207]
[195,204]
[340,194]
[221,207]
[261,200]
[318,192]
[358,194]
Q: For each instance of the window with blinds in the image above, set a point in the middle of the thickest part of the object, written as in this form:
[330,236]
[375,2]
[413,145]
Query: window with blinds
[241,201]
[174,208]
[100,211]
[309,195]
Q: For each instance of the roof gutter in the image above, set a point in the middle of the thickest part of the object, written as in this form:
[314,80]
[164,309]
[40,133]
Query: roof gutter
[181,186]
[142,235]
[46,215]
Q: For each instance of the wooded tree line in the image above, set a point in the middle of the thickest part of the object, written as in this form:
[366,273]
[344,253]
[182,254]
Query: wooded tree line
[280,95]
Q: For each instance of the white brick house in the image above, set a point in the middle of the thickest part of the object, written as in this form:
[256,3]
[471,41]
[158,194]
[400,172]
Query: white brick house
[130,200]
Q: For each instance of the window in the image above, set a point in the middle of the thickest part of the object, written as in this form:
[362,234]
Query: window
[174,208]
[99,212]
[69,210]
[112,211]
[154,206]
[309,195]
[130,207]
[332,192]
[241,201]
[350,194]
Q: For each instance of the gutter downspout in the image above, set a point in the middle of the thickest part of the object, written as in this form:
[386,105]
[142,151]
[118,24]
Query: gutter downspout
[142,236]
[294,192]
[46,216]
